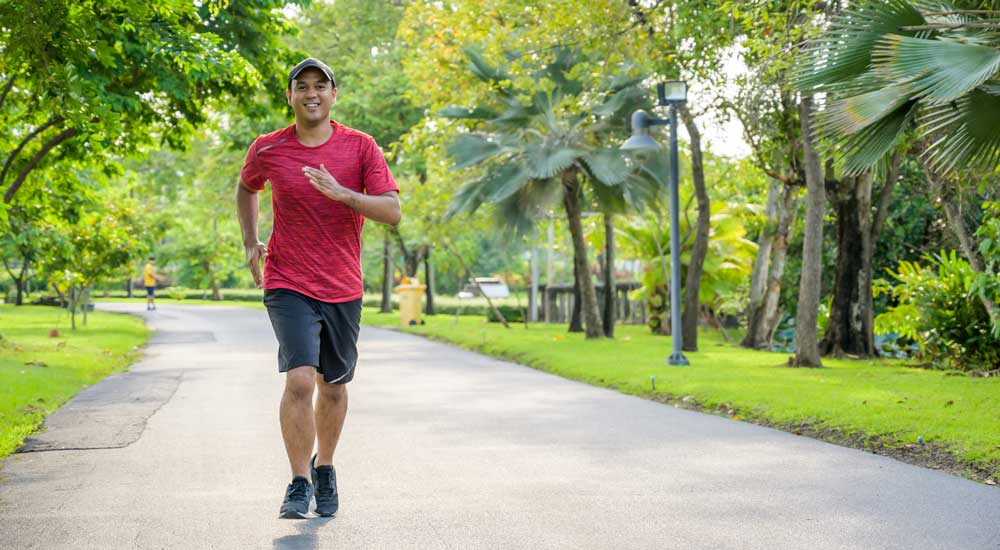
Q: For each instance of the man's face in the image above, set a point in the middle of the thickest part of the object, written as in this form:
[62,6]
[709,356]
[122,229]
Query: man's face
[311,97]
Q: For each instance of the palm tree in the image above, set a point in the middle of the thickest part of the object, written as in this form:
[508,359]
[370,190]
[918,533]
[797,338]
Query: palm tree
[891,65]
[538,147]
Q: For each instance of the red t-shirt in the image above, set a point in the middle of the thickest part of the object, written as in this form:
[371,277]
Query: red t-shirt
[315,246]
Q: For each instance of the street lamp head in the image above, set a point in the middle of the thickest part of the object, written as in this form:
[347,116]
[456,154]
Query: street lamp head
[672,91]
[640,140]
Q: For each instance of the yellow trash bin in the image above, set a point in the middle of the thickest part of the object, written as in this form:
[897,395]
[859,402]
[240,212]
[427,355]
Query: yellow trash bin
[411,297]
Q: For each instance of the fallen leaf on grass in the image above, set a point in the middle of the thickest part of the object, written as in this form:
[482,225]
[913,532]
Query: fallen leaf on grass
[36,363]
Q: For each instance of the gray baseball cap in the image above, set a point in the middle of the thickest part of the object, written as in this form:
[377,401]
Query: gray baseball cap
[311,63]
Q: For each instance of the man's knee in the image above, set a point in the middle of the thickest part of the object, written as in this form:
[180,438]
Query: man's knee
[299,383]
[331,392]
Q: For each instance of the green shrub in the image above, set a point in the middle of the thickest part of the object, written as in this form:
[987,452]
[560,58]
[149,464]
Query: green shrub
[177,292]
[511,313]
[939,308]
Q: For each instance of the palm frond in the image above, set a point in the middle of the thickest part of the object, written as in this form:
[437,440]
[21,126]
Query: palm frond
[968,130]
[510,215]
[482,69]
[844,51]
[548,160]
[515,114]
[558,71]
[466,200]
[503,182]
[939,70]
[617,100]
[607,165]
[477,113]
[855,113]
[469,149]
[544,105]
[520,210]
[610,197]
[866,149]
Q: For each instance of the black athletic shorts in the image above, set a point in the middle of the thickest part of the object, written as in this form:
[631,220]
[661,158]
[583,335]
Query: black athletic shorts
[315,333]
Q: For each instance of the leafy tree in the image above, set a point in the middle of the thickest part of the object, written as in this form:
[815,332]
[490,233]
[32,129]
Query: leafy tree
[772,32]
[122,73]
[542,146]
[886,68]
[727,265]
[103,240]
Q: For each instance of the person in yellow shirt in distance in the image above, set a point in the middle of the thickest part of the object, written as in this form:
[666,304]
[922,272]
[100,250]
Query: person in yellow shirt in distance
[149,280]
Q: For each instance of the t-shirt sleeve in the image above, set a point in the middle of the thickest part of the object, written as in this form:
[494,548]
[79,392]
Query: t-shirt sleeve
[252,175]
[375,171]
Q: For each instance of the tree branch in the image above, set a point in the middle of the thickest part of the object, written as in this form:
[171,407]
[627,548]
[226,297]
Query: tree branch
[640,17]
[399,239]
[6,90]
[29,137]
[7,267]
[52,143]
[885,196]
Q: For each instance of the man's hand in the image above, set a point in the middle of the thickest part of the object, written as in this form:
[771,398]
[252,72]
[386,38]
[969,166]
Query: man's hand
[255,253]
[325,183]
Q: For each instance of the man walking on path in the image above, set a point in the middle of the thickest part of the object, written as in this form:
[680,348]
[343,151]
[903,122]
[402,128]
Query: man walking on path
[325,180]
[149,281]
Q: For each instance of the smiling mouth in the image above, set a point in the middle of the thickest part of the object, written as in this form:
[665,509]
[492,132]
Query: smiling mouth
[310,105]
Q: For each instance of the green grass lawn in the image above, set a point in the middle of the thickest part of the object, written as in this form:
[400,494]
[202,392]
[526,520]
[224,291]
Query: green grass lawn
[858,403]
[39,373]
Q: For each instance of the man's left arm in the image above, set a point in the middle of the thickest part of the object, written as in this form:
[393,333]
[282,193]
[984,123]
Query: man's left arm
[382,208]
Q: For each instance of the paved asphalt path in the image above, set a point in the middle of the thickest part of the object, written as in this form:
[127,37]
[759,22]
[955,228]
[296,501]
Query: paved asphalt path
[446,449]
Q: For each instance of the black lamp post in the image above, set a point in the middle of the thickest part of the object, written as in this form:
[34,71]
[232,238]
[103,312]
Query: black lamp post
[670,93]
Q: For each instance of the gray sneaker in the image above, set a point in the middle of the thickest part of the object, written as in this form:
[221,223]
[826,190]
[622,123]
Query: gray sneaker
[297,499]
[324,478]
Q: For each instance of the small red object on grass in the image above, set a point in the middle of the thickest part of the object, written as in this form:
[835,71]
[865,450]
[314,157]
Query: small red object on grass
[54,333]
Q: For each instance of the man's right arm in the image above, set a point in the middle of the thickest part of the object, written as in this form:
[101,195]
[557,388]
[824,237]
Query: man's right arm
[247,208]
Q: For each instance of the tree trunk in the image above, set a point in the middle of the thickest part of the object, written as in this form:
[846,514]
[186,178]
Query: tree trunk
[807,347]
[761,268]
[547,308]
[386,306]
[692,282]
[609,276]
[19,279]
[787,216]
[850,330]
[22,280]
[72,306]
[429,280]
[591,314]
[86,303]
[955,222]
[575,322]
[213,281]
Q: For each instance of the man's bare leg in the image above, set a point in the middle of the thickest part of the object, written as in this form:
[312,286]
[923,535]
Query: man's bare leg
[297,425]
[331,410]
